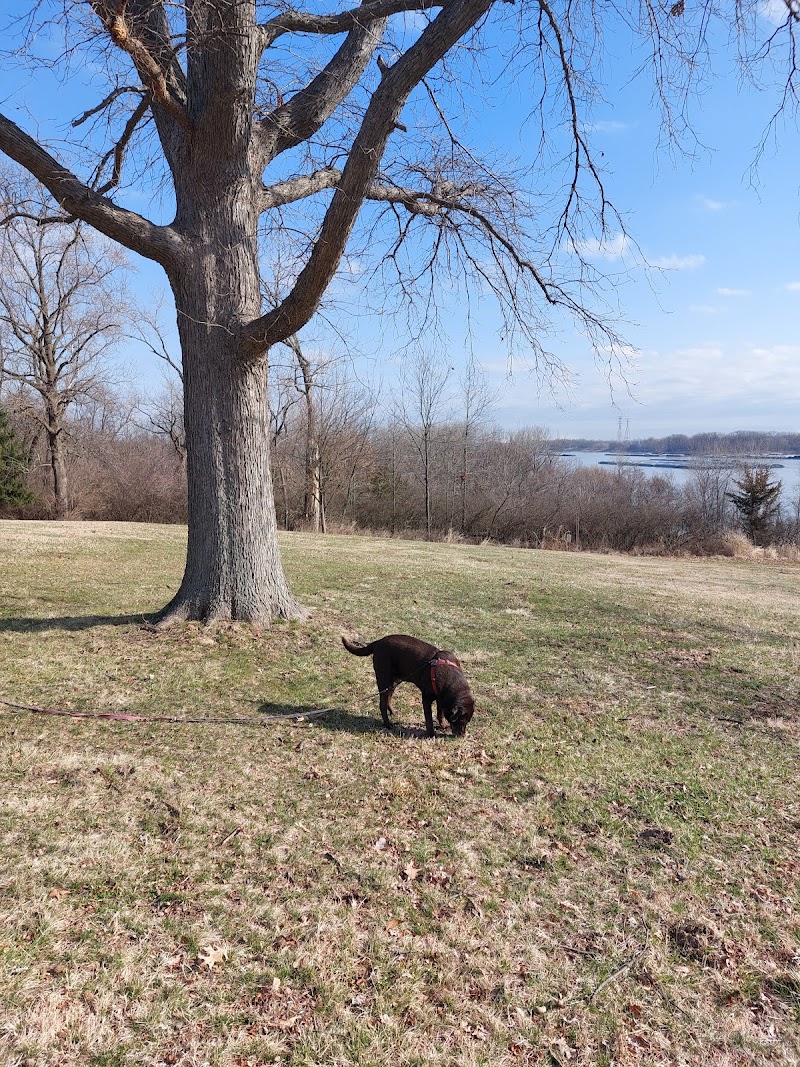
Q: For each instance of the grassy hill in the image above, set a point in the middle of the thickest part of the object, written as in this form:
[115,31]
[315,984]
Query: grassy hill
[604,871]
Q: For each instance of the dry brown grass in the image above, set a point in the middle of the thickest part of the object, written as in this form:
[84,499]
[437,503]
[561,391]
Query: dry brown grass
[605,871]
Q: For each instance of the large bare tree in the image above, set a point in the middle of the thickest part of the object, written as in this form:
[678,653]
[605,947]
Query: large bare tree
[420,405]
[306,383]
[61,309]
[261,110]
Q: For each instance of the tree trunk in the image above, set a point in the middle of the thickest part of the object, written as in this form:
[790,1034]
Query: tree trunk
[318,523]
[312,499]
[464,474]
[59,469]
[233,565]
[394,483]
[426,462]
[313,486]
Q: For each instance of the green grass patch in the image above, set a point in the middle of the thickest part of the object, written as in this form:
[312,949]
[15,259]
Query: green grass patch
[604,871]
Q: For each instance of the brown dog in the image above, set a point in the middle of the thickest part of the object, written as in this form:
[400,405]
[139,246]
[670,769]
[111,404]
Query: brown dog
[436,673]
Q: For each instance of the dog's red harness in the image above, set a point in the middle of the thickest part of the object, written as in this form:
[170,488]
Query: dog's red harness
[434,662]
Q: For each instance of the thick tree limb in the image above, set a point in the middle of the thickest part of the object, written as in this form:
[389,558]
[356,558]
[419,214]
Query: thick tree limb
[124,30]
[160,243]
[294,189]
[380,119]
[417,201]
[305,22]
[299,118]
[434,202]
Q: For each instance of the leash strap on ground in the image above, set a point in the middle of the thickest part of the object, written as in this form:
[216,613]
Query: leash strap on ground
[263,720]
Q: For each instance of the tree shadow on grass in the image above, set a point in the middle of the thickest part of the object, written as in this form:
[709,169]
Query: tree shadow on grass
[339,720]
[73,622]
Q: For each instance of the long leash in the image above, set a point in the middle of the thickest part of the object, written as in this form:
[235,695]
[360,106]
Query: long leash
[263,720]
[238,720]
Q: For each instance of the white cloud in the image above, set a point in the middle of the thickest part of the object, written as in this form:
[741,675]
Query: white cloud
[793,287]
[722,291]
[675,262]
[709,385]
[709,204]
[774,11]
[784,354]
[711,374]
[610,126]
[612,249]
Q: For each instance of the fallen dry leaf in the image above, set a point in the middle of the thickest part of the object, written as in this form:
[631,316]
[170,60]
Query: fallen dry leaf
[411,871]
[213,955]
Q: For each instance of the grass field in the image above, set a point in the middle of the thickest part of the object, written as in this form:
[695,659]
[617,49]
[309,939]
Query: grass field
[604,871]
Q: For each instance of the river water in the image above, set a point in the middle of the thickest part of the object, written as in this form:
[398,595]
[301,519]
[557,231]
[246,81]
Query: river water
[679,468]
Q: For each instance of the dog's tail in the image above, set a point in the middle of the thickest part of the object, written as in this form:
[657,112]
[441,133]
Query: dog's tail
[358,650]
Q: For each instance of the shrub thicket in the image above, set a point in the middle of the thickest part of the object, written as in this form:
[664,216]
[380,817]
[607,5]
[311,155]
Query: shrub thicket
[14,467]
[483,483]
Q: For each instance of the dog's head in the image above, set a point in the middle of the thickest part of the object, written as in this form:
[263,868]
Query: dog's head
[459,714]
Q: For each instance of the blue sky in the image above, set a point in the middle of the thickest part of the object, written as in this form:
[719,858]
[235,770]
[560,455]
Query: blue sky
[717,321]
[714,320]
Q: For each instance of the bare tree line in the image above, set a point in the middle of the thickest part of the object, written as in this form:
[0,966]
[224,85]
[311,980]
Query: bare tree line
[422,459]
[518,490]
[710,444]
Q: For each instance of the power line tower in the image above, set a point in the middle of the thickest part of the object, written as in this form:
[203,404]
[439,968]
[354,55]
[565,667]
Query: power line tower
[623,437]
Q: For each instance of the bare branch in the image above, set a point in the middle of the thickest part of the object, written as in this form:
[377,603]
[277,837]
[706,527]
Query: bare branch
[580,149]
[123,32]
[362,164]
[40,220]
[149,332]
[160,243]
[118,151]
[112,96]
[307,111]
[372,10]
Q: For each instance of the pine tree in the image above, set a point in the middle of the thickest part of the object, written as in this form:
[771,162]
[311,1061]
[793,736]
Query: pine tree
[14,461]
[758,502]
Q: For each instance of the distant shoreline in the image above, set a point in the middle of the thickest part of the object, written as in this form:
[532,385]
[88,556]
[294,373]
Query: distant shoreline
[688,465]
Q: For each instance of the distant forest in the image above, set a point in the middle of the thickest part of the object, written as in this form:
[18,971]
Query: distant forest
[741,443]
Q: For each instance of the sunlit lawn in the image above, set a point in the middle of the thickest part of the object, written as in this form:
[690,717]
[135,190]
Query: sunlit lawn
[605,871]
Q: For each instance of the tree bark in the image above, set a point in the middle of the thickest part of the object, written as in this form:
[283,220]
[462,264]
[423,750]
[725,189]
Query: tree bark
[312,503]
[58,467]
[463,476]
[233,564]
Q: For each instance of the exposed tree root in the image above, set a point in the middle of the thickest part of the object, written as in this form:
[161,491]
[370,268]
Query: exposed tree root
[183,609]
